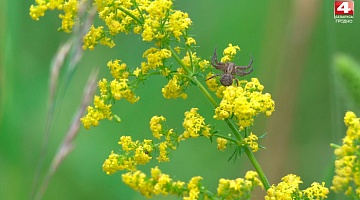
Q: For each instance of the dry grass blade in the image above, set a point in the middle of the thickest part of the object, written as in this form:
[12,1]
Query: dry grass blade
[67,56]
[67,145]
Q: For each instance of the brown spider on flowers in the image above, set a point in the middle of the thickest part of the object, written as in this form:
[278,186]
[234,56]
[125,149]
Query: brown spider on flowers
[230,70]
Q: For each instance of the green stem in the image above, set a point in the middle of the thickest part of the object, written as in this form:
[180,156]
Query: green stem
[131,15]
[230,123]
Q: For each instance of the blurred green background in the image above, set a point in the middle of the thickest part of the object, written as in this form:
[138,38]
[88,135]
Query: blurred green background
[293,44]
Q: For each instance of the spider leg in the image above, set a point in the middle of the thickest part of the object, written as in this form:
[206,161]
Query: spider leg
[215,63]
[243,73]
[214,60]
[240,70]
[213,76]
[237,82]
[246,67]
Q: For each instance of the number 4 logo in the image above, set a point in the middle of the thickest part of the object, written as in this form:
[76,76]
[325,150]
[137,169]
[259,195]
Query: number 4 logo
[344,8]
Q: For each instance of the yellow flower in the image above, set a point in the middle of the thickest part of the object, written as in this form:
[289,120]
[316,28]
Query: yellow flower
[173,89]
[138,181]
[347,178]
[251,141]
[244,102]
[103,86]
[68,19]
[229,53]
[38,11]
[163,153]
[221,143]
[155,58]
[194,125]
[92,38]
[178,23]
[156,126]
[117,70]
[120,89]
[190,41]
[111,165]
[135,152]
[194,188]
[316,191]
[137,72]
[126,143]
[94,115]
[142,154]
[239,188]
[289,189]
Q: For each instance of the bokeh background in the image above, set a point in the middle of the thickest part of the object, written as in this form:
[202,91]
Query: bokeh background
[293,44]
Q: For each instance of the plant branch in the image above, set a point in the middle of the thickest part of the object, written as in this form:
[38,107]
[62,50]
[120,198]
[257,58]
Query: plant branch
[230,123]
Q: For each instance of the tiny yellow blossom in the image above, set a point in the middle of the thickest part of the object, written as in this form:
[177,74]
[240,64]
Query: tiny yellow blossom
[126,143]
[155,58]
[142,155]
[239,188]
[163,153]
[316,191]
[97,113]
[251,141]
[120,89]
[194,125]
[190,41]
[229,53]
[156,126]
[193,186]
[103,86]
[178,23]
[92,38]
[68,19]
[137,72]
[221,143]
[111,165]
[289,189]
[244,102]
[347,178]
[117,70]
[173,89]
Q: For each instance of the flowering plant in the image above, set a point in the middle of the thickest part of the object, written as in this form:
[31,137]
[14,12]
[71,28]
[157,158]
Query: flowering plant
[167,31]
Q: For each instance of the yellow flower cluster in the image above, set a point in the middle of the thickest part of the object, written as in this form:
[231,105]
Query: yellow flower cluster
[239,188]
[229,53]
[117,70]
[193,187]
[95,36]
[193,61]
[289,189]
[347,163]
[117,89]
[120,89]
[155,58]
[213,85]
[174,89]
[221,143]
[135,153]
[251,141]
[111,165]
[70,9]
[156,126]
[153,19]
[194,125]
[178,23]
[245,102]
[158,184]
[94,115]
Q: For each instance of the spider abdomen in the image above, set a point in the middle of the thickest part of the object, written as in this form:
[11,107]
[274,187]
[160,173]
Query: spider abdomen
[226,80]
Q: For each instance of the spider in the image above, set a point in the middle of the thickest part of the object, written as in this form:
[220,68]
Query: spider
[230,70]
